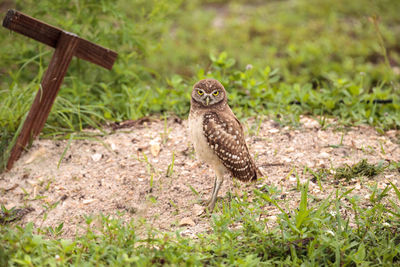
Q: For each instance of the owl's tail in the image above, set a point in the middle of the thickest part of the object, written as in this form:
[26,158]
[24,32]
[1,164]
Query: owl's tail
[257,173]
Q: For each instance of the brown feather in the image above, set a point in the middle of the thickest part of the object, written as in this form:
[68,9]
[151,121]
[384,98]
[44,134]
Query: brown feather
[226,138]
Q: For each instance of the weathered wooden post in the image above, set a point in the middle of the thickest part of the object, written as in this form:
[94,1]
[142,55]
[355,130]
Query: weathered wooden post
[67,46]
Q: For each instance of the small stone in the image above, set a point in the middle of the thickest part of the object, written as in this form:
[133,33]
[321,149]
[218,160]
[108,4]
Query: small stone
[310,123]
[197,209]
[324,155]
[187,233]
[96,157]
[272,218]
[310,164]
[299,155]
[273,130]
[187,222]
[287,160]
[290,149]
[311,184]
[321,164]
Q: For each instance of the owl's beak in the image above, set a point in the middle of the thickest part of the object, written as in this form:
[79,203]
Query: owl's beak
[207,100]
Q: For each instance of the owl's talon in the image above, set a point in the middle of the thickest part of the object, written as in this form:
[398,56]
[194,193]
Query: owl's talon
[210,207]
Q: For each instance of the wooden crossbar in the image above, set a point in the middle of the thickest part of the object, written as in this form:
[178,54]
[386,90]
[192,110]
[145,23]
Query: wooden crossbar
[49,35]
[67,45]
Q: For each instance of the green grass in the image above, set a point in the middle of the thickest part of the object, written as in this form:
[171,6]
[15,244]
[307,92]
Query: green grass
[281,58]
[331,58]
[362,168]
[318,232]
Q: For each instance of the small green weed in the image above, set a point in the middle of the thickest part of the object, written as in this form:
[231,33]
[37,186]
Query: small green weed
[170,169]
[12,214]
[362,168]
[395,166]
[317,232]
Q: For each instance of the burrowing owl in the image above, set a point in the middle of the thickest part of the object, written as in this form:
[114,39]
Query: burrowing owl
[217,135]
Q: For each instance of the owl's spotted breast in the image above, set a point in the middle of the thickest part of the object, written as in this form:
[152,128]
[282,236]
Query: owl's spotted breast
[225,137]
[203,150]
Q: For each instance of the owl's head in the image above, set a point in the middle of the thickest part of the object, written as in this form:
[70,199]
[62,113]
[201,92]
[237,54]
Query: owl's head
[208,92]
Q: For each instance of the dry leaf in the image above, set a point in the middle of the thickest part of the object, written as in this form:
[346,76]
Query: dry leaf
[155,148]
[88,201]
[36,154]
[35,189]
[187,222]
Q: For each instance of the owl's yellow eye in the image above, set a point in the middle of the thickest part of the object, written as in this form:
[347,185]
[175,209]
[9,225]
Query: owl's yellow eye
[215,93]
[200,92]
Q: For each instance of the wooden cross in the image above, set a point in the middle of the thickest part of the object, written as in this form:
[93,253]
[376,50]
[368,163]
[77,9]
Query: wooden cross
[67,45]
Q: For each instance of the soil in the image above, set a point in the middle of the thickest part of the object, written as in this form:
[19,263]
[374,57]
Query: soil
[146,170]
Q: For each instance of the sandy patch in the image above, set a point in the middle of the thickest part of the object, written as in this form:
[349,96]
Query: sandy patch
[130,171]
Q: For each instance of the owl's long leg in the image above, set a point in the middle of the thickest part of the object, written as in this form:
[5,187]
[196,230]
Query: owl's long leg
[219,179]
[215,185]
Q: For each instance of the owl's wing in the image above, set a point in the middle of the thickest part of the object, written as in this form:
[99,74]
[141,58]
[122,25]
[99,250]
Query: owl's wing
[225,136]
